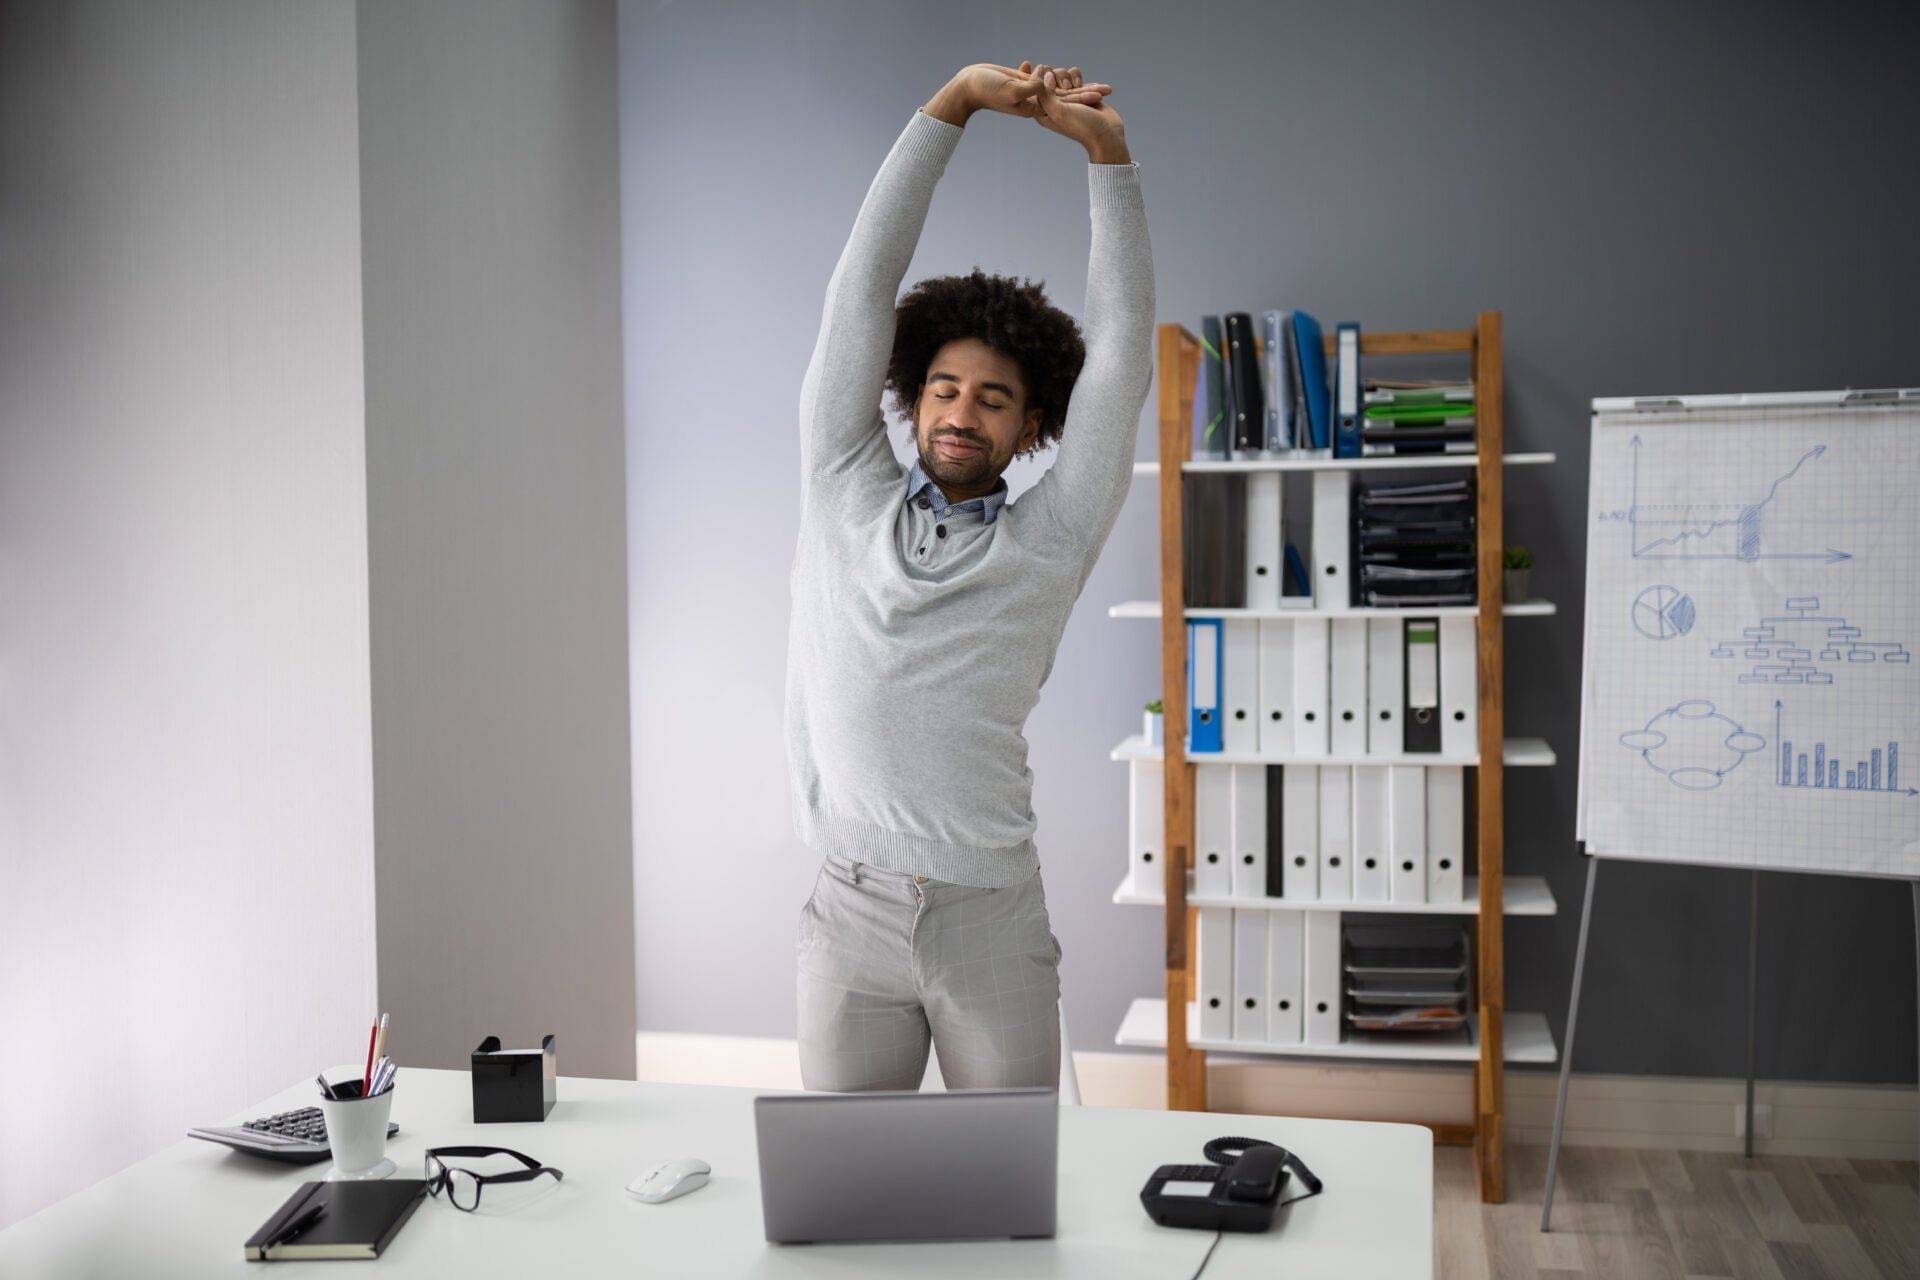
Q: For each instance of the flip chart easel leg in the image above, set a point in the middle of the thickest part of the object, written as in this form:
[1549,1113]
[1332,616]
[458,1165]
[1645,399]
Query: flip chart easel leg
[1566,1052]
[1753,982]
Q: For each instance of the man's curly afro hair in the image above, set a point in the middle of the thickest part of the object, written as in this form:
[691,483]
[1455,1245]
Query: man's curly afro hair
[1011,316]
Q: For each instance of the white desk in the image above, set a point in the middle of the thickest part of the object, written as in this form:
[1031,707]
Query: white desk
[187,1210]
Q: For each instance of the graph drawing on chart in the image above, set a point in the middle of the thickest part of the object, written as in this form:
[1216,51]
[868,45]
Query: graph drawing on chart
[1814,768]
[1716,530]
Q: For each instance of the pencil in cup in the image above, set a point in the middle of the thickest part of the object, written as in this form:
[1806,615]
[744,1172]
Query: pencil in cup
[376,1048]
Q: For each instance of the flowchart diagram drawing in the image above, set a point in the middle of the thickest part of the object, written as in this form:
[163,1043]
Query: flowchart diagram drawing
[1805,646]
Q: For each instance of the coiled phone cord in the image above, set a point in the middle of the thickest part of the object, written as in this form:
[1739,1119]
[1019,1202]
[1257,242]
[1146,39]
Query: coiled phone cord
[1225,1151]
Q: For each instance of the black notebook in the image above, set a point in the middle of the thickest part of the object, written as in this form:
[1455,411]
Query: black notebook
[359,1220]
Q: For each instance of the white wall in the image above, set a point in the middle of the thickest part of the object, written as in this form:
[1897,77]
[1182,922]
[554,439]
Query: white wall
[186,838]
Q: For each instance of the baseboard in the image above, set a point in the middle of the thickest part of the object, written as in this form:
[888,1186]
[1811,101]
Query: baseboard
[1873,1122]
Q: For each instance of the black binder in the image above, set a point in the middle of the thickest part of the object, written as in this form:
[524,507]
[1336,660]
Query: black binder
[1276,859]
[1247,408]
[1421,681]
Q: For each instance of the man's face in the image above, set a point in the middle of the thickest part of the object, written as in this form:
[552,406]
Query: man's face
[972,416]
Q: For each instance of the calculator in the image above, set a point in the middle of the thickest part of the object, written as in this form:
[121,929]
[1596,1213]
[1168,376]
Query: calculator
[297,1137]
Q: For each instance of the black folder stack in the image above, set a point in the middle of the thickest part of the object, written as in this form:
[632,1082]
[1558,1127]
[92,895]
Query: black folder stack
[1407,979]
[1415,544]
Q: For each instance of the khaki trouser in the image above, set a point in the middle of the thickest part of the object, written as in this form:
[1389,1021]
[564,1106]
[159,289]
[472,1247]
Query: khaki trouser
[891,961]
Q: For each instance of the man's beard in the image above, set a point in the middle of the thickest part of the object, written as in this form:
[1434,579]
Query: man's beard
[976,468]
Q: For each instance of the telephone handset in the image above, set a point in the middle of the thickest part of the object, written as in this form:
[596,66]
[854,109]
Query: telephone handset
[1239,1191]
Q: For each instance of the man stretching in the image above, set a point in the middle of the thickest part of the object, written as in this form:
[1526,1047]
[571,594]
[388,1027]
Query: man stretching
[927,609]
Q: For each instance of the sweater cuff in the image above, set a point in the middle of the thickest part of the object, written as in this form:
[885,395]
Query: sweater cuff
[929,140]
[1114,186]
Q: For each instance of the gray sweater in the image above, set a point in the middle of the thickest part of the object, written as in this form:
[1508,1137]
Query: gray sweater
[910,677]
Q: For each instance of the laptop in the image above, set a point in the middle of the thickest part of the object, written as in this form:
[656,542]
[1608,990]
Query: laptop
[967,1164]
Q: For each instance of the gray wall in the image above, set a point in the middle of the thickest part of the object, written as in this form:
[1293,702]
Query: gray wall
[496,528]
[186,808]
[1662,198]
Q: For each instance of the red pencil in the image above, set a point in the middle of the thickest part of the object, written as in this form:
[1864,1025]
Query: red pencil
[367,1075]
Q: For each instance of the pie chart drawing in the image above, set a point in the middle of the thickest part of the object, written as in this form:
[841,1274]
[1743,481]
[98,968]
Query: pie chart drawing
[1662,612]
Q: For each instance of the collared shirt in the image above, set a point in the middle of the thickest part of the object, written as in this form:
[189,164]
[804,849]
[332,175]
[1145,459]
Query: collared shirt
[936,501]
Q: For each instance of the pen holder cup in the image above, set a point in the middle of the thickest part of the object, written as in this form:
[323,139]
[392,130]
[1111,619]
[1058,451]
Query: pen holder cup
[357,1132]
[512,1085]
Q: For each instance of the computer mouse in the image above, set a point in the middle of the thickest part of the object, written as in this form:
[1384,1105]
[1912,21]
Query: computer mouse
[673,1178]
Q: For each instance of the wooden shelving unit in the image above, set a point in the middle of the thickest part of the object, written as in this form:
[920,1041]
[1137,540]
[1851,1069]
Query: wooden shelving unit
[1497,1036]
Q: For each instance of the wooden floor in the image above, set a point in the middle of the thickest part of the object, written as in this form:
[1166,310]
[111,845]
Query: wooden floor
[1680,1214]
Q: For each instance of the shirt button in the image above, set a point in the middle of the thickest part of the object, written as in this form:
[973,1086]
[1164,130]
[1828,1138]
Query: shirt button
[924,504]
[941,530]
[919,879]
[923,551]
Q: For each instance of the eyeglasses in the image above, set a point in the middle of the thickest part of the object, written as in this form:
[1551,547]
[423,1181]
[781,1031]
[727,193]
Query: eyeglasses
[463,1185]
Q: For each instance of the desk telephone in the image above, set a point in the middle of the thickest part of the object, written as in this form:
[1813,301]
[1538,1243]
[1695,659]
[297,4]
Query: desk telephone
[1239,1191]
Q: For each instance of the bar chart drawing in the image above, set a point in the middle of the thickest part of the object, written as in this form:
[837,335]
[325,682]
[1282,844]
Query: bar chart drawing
[1802,645]
[1713,530]
[1820,769]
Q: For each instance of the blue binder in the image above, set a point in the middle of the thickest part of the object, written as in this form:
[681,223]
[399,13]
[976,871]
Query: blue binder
[1312,356]
[1297,573]
[1204,651]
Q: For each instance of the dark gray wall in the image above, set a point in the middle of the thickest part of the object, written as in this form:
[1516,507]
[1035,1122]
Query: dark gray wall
[1661,198]
[496,530]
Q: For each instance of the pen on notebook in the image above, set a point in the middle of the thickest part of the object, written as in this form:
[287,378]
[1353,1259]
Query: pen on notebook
[306,1218]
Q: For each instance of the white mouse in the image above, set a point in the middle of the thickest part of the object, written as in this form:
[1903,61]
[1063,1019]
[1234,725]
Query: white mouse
[670,1179]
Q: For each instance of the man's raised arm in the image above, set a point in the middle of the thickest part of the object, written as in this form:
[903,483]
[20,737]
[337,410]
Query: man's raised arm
[1093,466]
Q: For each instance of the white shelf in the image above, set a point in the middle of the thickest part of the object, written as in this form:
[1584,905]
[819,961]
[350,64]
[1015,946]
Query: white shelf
[1411,462]
[1520,896]
[1519,753]
[1151,609]
[1527,1039]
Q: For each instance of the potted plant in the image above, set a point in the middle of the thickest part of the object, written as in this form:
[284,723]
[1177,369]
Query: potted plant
[1518,563]
[1155,724]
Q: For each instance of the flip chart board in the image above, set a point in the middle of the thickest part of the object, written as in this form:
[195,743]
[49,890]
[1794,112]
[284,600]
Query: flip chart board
[1749,693]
